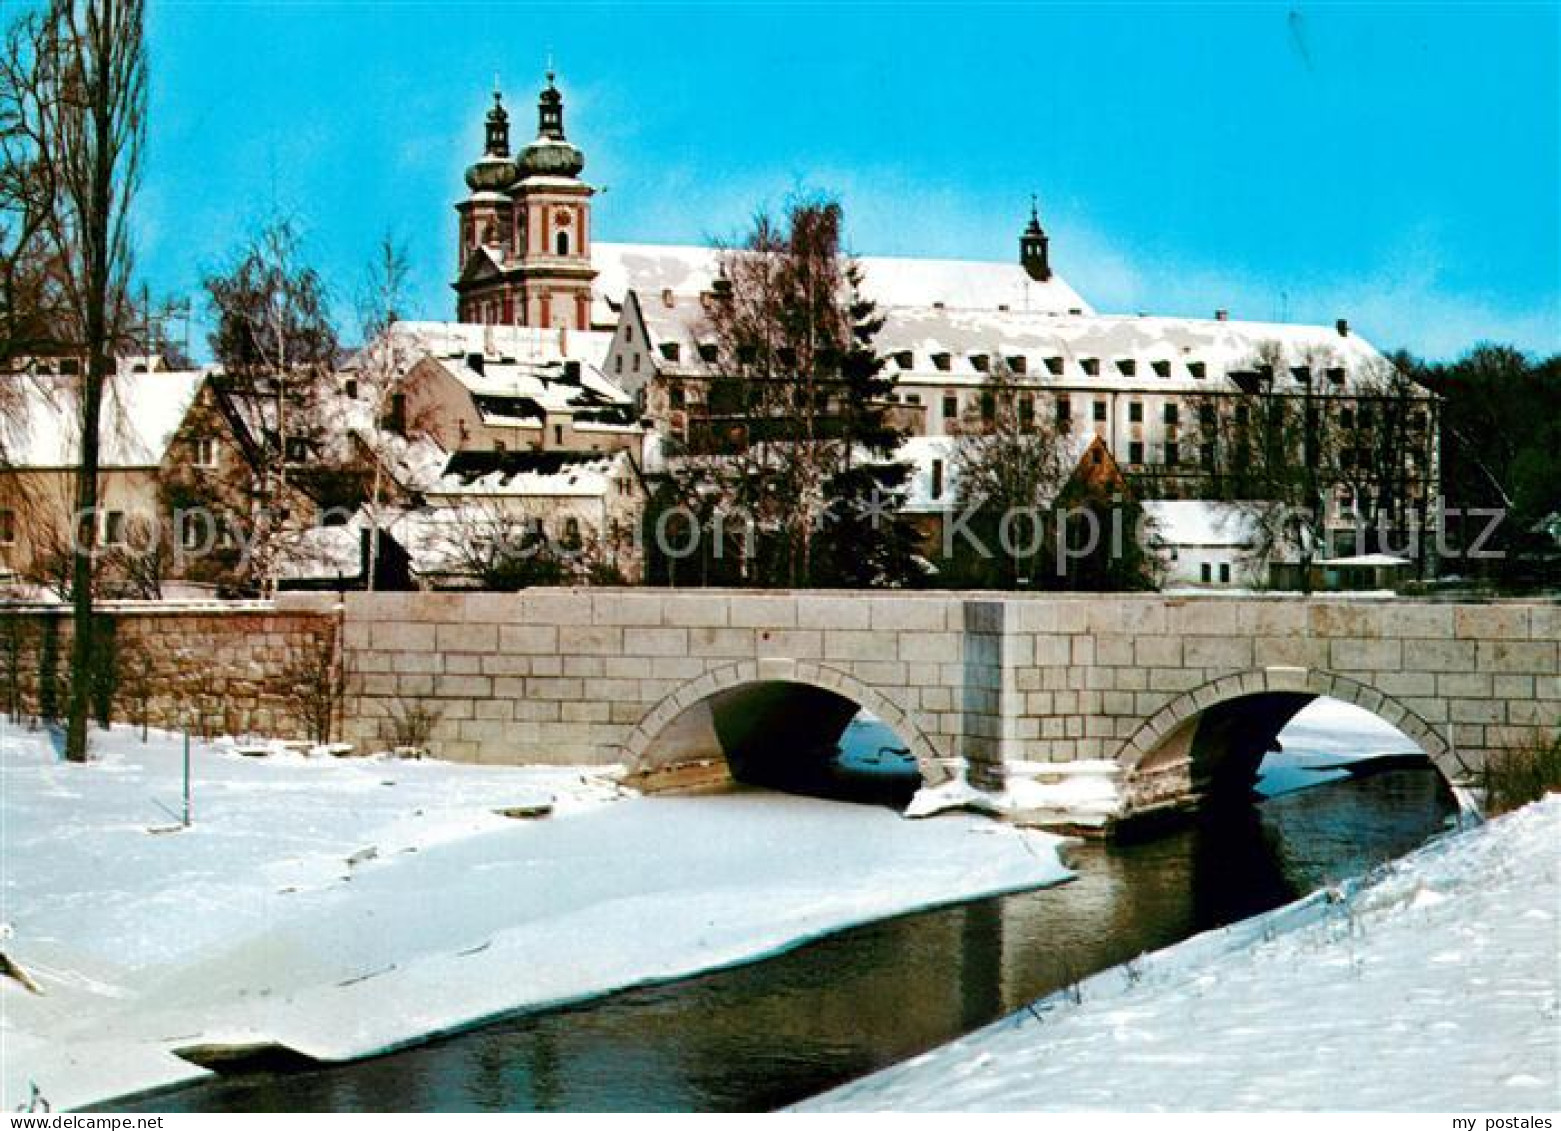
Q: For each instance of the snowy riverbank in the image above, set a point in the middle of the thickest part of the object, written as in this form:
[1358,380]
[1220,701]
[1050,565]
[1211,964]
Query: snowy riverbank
[343,907]
[1434,986]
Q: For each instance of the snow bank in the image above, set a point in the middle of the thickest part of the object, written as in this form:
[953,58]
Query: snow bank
[1085,793]
[343,907]
[1431,986]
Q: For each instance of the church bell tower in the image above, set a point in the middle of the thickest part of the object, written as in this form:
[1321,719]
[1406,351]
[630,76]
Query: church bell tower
[526,227]
[1034,247]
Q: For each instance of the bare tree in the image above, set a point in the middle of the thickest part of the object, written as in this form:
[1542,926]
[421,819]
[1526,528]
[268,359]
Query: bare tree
[277,346]
[74,106]
[381,375]
[1009,465]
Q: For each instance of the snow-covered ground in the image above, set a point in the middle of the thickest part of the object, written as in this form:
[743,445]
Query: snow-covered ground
[1434,985]
[341,907]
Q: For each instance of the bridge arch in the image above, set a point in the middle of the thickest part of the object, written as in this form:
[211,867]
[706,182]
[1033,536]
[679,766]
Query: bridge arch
[1216,733]
[721,718]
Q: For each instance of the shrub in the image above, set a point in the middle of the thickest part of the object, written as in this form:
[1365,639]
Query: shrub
[1516,777]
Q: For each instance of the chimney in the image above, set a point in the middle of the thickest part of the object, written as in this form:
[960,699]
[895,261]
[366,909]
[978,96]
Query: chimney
[1222,315]
[1343,326]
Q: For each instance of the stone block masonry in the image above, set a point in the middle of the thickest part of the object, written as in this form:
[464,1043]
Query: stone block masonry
[218,669]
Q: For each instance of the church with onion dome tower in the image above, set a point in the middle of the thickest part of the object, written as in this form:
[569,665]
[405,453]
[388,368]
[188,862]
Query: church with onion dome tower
[525,227]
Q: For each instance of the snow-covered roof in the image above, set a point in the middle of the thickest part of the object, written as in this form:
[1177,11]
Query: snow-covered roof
[651,269]
[527,474]
[517,344]
[141,414]
[320,553]
[935,346]
[1194,522]
[519,394]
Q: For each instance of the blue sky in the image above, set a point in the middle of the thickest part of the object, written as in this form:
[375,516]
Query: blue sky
[1396,163]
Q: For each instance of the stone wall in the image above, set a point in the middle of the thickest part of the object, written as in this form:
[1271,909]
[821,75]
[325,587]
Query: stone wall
[246,669]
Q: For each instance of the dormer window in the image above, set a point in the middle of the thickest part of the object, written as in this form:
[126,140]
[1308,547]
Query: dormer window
[1302,374]
[1336,375]
[1054,366]
[1127,366]
[904,359]
[1162,369]
[708,352]
[666,298]
[1018,363]
[1090,365]
[941,361]
[980,362]
[672,351]
[1198,369]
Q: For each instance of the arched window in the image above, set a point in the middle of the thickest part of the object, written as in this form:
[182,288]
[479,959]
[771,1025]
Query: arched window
[563,243]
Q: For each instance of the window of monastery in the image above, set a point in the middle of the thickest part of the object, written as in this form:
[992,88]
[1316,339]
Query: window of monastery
[8,526]
[1301,373]
[1197,369]
[1064,413]
[1135,412]
[941,361]
[1127,366]
[1090,365]
[950,405]
[1173,454]
[1054,366]
[1172,413]
[1135,452]
[981,362]
[1018,363]
[1161,368]
[1336,376]
[1100,412]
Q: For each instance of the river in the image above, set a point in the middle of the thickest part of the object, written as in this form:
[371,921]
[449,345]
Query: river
[776,1031]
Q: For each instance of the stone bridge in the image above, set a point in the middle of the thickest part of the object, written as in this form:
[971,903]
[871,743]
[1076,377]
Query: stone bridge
[1172,698]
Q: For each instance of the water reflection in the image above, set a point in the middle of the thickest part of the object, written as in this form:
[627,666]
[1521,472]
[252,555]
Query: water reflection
[774,1032]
